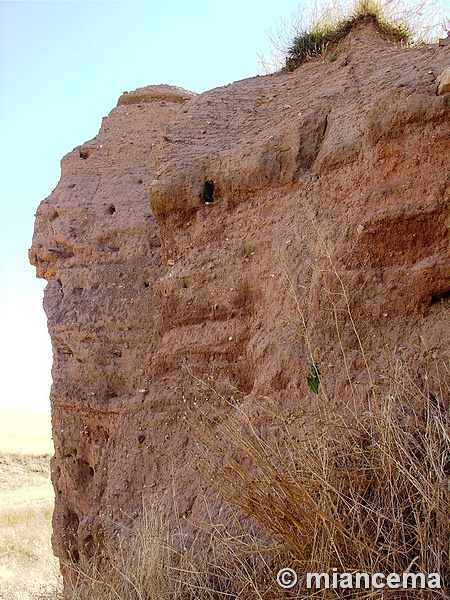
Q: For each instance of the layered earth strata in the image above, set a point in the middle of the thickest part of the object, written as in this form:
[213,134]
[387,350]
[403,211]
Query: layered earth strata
[203,251]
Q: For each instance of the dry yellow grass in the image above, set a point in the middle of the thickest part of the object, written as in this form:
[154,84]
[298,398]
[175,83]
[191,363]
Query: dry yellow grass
[368,494]
[28,569]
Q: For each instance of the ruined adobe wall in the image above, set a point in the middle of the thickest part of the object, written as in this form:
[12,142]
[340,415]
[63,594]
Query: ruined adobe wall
[333,177]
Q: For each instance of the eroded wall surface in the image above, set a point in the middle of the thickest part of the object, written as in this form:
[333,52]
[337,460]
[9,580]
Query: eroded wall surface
[217,244]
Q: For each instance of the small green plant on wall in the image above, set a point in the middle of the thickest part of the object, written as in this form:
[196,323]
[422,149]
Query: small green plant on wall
[313,378]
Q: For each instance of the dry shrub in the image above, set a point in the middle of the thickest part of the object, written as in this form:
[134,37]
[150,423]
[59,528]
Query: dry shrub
[147,561]
[140,562]
[133,565]
[370,493]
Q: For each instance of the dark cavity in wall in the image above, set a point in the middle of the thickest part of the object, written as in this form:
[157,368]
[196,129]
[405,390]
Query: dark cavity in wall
[444,297]
[208,192]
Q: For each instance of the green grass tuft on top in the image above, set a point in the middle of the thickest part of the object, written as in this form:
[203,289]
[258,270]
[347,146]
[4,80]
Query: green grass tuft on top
[330,27]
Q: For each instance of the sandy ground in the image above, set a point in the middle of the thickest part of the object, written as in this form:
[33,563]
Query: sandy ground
[25,432]
[28,569]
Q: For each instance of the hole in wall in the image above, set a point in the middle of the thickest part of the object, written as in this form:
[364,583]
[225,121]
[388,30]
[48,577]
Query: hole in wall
[84,153]
[208,192]
[445,296]
[111,209]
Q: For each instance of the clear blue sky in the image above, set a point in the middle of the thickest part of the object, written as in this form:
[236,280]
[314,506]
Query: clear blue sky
[63,66]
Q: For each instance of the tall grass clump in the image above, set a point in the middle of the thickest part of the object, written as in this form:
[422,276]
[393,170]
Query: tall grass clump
[330,27]
[149,561]
[367,494]
[138,562]
[307,35]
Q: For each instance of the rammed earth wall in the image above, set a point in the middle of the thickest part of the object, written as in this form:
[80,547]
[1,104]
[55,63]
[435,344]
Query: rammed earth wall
[183,242]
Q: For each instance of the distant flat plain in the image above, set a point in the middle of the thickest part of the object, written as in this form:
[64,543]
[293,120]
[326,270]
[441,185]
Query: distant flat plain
[25,432]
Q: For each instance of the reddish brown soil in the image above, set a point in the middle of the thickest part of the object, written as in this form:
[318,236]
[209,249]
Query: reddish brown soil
[332,178]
